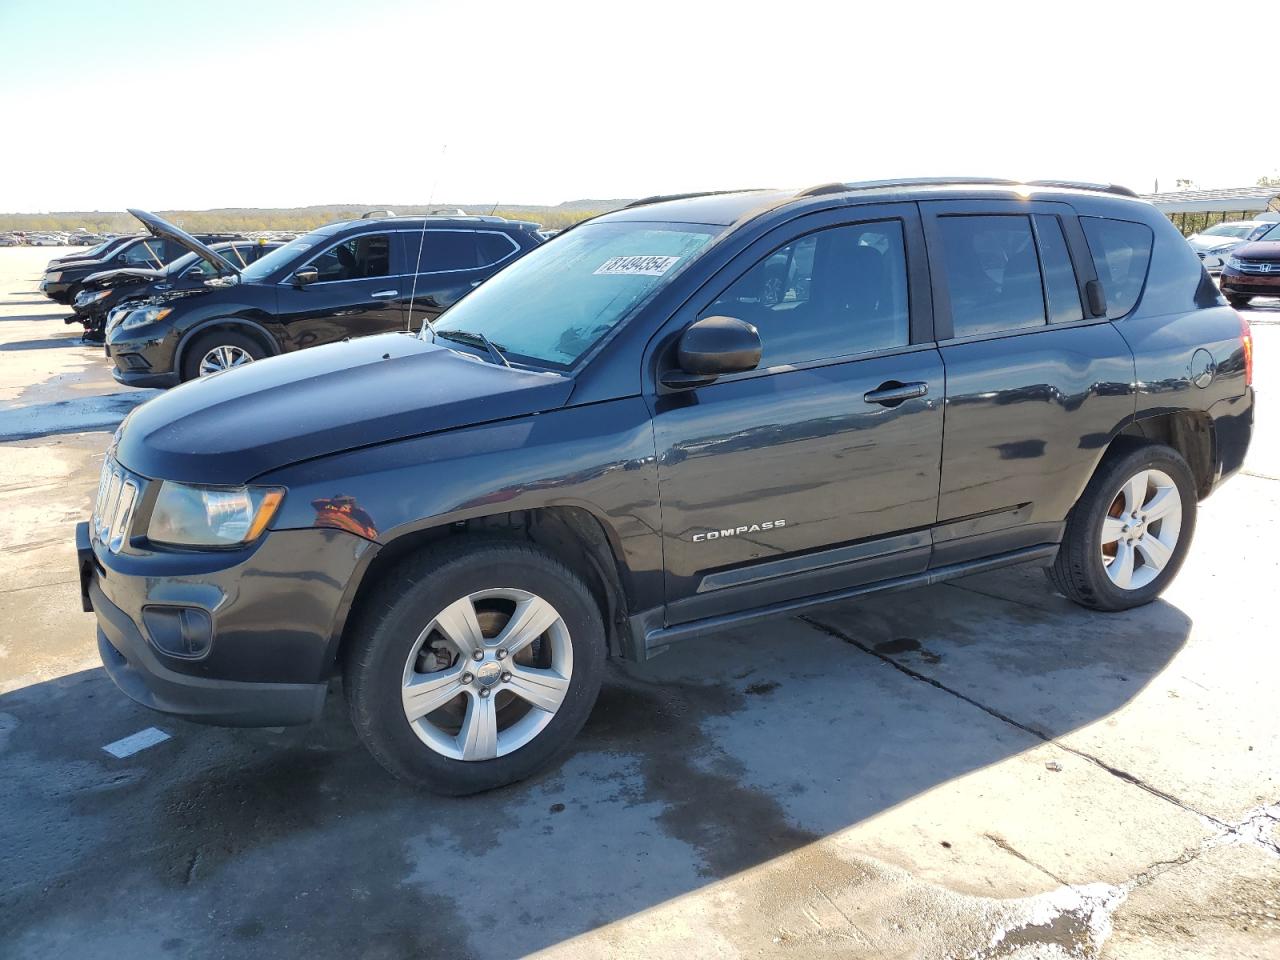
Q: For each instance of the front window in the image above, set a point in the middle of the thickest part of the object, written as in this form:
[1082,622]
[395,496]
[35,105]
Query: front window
[1239,230]
[355,259]
[554,304]
[262,268]
[147,253]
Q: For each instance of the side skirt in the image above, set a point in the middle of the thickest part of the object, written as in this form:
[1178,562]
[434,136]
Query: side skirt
[651,642]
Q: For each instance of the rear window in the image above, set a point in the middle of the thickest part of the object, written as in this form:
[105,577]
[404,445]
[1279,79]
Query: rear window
[1121,251]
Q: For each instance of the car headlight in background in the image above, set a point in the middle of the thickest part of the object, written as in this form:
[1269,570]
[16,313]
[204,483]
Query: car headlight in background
[86,297]
[53,277]
[1221,248]
[145,315]
[1233,263]
[189,516]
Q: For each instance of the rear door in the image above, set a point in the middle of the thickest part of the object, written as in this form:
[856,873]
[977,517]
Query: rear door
[1035,385]
[810,473]
[361,291]
[451,262]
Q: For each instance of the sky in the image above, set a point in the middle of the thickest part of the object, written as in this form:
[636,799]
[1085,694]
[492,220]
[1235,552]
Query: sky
[171,104]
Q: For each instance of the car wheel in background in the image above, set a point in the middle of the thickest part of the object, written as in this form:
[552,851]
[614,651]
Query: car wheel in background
[219,350]
[1238,302]
[1129,533]
[474,664]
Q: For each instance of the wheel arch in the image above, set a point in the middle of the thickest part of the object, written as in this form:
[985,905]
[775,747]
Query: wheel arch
[239,324]
[1190,432]
[572,534]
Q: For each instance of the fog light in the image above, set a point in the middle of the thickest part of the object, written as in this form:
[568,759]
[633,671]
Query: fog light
[185,632]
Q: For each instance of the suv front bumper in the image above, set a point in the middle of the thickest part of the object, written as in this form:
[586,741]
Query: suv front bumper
[276,614]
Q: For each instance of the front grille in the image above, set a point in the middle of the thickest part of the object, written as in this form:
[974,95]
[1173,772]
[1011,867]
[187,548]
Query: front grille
[1258,266]
[113,508]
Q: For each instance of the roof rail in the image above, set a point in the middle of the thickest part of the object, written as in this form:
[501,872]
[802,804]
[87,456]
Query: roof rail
[377,214]
[825,188]
[663,198]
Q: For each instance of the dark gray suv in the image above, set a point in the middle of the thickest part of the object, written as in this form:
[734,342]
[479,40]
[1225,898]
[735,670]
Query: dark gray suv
[688,414]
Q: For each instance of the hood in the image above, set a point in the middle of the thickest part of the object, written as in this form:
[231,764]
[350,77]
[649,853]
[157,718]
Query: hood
[1201,241]
[234,426]
[1268,250]
[165,229]
[117,278]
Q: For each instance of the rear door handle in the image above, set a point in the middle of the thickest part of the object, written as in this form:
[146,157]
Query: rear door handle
[892,392]
[385,294]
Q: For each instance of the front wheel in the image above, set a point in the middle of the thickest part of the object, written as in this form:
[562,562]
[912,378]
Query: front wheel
[1238,302]
[1127,536]
[217,351]
[474,665]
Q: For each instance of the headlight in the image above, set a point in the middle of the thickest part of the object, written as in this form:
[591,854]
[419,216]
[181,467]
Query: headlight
[187,516]
[86,297]
[1233,263]
[144,315]
[53,277]
[1221,248]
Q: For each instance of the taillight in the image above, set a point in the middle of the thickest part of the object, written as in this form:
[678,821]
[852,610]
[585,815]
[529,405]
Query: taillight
[1246,341]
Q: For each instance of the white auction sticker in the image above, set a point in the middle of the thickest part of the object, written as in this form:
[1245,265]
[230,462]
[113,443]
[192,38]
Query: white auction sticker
[637,266]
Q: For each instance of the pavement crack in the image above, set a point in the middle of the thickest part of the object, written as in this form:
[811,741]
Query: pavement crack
[1117,772]
[1013,851]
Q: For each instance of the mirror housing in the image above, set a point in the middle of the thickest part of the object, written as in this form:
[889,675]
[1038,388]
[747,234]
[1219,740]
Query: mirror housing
[305,275]
[712,347]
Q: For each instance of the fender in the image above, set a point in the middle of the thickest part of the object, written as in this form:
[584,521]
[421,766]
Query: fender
[203,325]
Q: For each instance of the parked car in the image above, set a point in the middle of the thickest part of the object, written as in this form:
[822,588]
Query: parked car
[10,240]
[677,417]
[1253,269]
[1216,243]
[100,252]
[44,240]
[100,293]
[348,279]
[63,281]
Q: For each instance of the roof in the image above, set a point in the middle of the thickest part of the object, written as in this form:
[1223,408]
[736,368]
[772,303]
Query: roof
[1242,199]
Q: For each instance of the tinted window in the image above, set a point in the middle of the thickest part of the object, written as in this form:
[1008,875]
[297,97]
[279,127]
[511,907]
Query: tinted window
[443,250]
[148,253]
[833,293]
[992,274]
[493,247]
[357,258]
[1059,275]
[1121,252]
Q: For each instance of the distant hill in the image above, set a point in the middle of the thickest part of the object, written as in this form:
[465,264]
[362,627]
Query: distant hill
[297,218]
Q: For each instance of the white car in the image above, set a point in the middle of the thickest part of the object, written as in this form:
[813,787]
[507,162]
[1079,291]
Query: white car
[1215,244]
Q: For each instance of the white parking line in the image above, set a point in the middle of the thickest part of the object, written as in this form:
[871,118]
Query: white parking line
[136,742]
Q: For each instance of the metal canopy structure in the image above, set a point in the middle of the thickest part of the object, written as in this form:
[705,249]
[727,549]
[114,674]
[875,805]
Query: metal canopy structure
[1237,199]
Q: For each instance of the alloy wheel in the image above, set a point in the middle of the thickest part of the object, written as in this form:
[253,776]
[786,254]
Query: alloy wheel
[488,674]
[224,358]
[1141,529]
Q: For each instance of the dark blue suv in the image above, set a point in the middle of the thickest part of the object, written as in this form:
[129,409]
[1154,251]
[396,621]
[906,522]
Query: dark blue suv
[688,414]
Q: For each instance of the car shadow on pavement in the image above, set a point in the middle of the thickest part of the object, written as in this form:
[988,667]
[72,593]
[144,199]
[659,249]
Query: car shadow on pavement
[714,758]
[50,343]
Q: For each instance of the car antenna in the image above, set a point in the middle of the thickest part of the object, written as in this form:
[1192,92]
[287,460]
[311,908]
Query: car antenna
[417,264]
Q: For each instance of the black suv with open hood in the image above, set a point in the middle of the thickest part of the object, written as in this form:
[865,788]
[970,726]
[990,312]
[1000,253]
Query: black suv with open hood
[348,279]
[63,279]
[100,293]
[685,415]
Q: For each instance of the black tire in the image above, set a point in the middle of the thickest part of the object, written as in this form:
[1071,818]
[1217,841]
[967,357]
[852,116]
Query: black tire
[1079,572]
[1238,302]
[201,345]
[387,628]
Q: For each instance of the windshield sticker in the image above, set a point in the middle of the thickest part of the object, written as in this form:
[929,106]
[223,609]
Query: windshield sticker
[636,266]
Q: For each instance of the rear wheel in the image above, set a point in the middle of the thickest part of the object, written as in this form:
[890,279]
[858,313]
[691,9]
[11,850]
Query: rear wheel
[1127,536]
[1237,301]
[219,350]
[474,665]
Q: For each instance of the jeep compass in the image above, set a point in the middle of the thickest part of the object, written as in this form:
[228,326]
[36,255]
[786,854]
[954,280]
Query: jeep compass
[684,415]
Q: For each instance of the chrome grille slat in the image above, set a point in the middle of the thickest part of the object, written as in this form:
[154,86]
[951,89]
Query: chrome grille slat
[114,506]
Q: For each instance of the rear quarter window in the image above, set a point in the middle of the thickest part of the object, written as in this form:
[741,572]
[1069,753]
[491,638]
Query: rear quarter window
[1121,251]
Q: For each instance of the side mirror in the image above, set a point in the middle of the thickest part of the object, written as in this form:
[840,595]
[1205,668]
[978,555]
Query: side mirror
[712,347]
[305,275]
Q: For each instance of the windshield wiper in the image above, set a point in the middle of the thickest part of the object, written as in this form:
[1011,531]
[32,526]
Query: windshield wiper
[475,339]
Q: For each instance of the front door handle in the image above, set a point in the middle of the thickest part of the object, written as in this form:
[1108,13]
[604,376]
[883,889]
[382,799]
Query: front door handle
[385,294]
[893,392]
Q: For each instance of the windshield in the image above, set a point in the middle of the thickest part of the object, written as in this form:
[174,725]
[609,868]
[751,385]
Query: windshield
[259,270]
[1229,230]
[1272,234]
[551,306]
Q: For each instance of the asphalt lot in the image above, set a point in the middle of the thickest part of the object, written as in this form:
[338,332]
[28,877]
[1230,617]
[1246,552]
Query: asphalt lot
[979,769]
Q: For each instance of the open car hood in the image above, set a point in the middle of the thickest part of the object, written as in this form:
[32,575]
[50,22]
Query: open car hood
[163,228]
